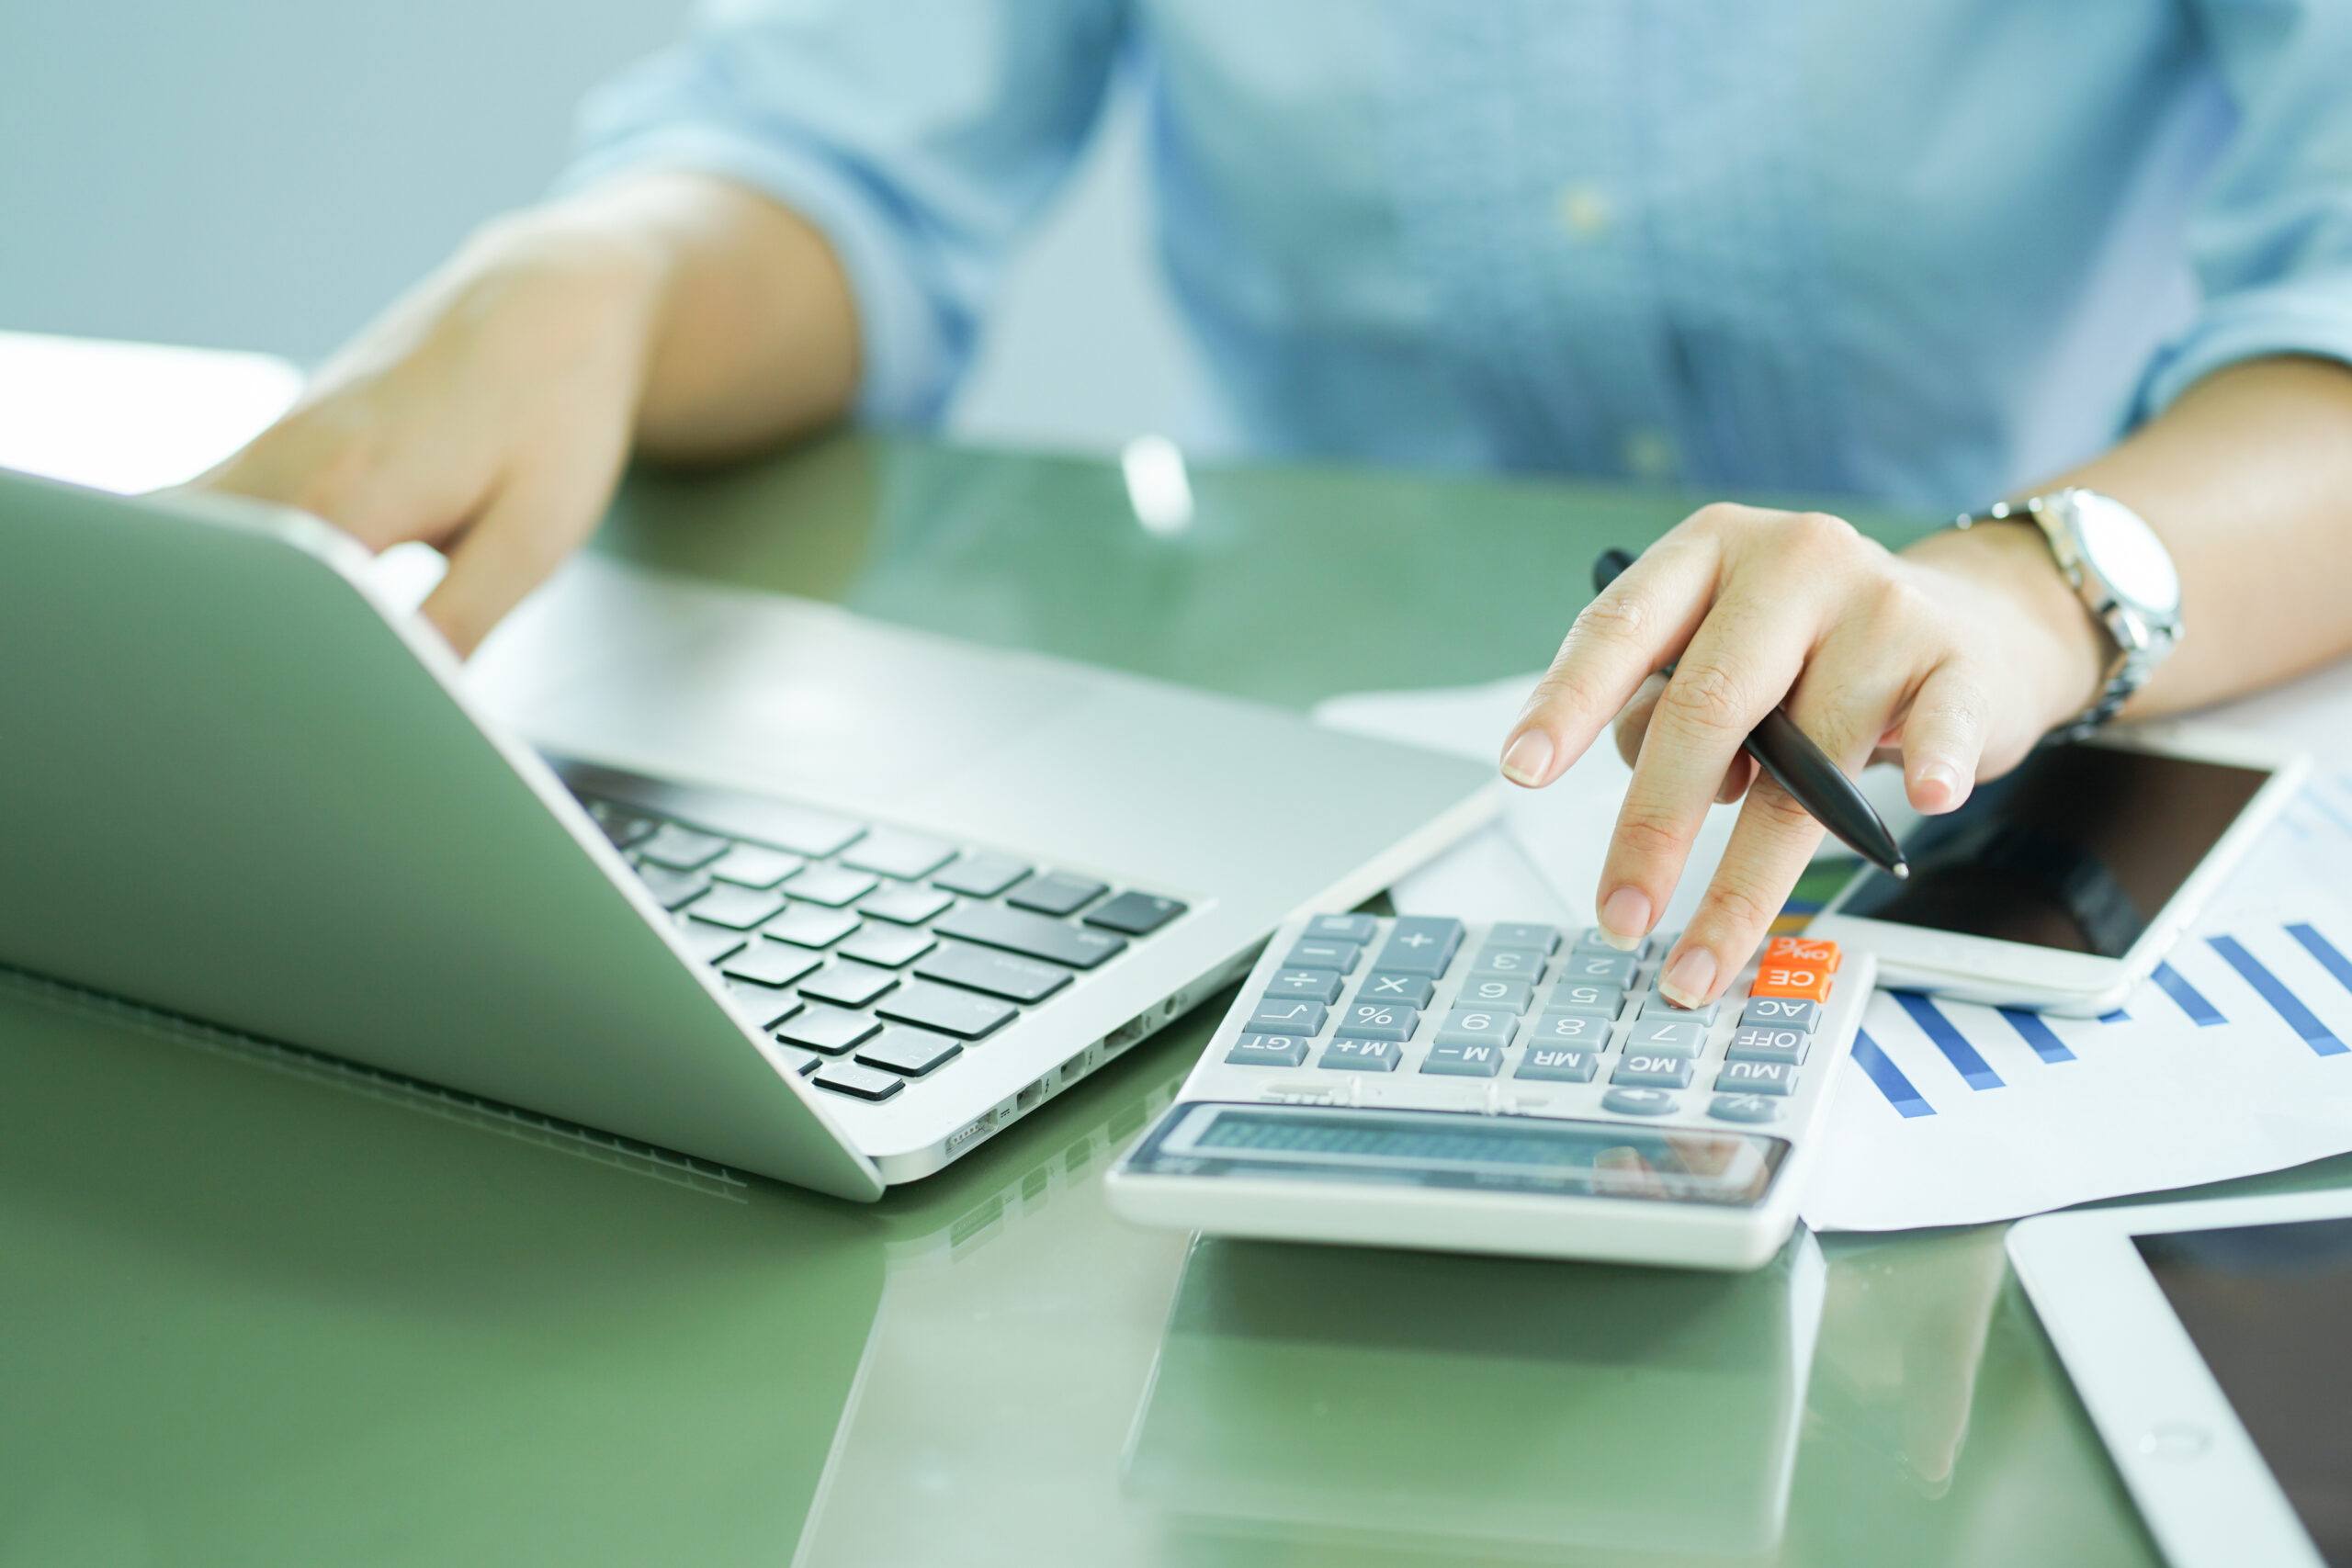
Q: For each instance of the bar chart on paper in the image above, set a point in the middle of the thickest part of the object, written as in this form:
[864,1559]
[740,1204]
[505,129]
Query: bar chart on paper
[2234,1057]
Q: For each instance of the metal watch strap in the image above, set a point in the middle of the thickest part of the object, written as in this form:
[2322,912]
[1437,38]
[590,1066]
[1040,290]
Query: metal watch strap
[2128,669]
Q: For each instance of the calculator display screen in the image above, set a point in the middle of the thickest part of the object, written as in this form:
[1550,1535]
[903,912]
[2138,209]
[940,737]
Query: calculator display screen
[2078,849]
[2267,1305]
[1438,1148]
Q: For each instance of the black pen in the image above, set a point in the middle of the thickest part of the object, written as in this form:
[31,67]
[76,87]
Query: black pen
[1802,769]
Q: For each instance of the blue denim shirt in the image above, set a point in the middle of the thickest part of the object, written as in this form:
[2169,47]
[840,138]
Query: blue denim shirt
[1921,250]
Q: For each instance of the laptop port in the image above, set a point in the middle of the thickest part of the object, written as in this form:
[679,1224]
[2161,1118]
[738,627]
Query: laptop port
[1031,1097]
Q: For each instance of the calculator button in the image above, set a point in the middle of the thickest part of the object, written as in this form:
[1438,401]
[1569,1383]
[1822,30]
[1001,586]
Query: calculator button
[946,1009]
[864,1083]
[1379,1020]
[1469,1059]
[1637,1103]
[828,1030]
[849,985]
[1649,1071]
[1357,929]
[737,909]
[1413,990]
[1421,944]
[1137,914]
[1524,934]
[1656,1005]
[768,962]
[1591,940]
[1363,1055]
[980,876]
[1577,1031]
[1813,951]
[1599,969]
[1280,1015]
[1668,1037]
[1479,1026]
[1744,1107]
[1268,1051]
[1803,981]
[1340,957]
[909,1052]
[1492,991]
[997,973]
[1759,1042]
[1561,1067]
[1510,963]
[1309,984]
[1784,1012]
[1607,1001]
[1757,1078]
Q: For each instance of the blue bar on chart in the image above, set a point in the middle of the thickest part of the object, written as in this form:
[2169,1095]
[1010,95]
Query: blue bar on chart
[2288,1006]
[2318,947]
[2035,1031]
[2201,1013]
[1889,1077]
[1974,1071]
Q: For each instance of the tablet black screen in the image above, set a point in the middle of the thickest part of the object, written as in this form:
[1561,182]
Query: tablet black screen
[2268,1307]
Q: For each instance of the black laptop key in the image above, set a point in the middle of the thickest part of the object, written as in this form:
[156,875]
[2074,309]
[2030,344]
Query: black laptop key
[766,962]
[1054,892]
[980,876]
[680,847]
[998,974]
[767,1005]
[832,1031]
[1032,936]
[737,909]
[959,1013]
[909,1052]
[712,944]
[893,852]
[893,947]
[1137,914]
[674,889]
[861,1083]
[849,985]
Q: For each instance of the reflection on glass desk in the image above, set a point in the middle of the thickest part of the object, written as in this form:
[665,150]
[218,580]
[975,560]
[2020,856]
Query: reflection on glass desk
[1584,1409]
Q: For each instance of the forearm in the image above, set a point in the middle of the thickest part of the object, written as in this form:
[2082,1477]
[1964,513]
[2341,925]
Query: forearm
[750,329]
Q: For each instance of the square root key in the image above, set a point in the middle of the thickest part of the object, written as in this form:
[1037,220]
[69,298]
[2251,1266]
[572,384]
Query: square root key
[1280,1015]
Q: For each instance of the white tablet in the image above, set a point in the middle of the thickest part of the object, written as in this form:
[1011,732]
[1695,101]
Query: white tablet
[2210,1342]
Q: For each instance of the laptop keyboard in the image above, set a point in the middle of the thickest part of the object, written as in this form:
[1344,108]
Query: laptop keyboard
[876,956]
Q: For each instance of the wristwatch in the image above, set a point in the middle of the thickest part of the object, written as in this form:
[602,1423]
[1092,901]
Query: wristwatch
[2124,574]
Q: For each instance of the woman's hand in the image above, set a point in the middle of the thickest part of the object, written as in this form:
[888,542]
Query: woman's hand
[1950,658]
[487,414]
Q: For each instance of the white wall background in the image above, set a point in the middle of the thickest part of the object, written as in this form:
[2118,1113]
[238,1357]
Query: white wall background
[264,174]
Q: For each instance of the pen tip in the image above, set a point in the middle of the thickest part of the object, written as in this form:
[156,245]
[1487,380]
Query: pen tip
[1902,871]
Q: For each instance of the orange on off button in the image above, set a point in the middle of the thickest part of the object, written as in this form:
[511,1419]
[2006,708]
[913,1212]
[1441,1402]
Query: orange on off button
[1787,973]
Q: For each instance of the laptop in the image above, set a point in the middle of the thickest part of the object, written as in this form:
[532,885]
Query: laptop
[738,876]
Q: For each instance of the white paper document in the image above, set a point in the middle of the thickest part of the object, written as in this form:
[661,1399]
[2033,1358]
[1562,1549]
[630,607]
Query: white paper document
[2235,1059]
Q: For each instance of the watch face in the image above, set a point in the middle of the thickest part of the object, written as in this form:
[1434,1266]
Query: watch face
[2125,551]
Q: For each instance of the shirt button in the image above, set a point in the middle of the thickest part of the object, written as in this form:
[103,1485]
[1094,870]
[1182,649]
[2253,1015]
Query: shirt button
[1583,210]
[1649,454]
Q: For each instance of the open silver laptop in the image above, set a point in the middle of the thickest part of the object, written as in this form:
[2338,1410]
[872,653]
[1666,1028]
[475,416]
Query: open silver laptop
[768,883]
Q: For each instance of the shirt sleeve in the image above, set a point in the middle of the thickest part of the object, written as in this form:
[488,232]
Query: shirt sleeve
[2272,238]
[919,136]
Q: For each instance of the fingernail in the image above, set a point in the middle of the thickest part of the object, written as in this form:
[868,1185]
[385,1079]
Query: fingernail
[1529,756]
[1940,784]
[1625,919]
[1689,979]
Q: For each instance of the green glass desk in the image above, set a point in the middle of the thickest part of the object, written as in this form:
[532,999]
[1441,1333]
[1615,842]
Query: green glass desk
[257,1310]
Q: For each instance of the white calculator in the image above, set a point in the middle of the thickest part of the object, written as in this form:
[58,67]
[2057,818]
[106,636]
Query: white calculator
[1419,1081]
